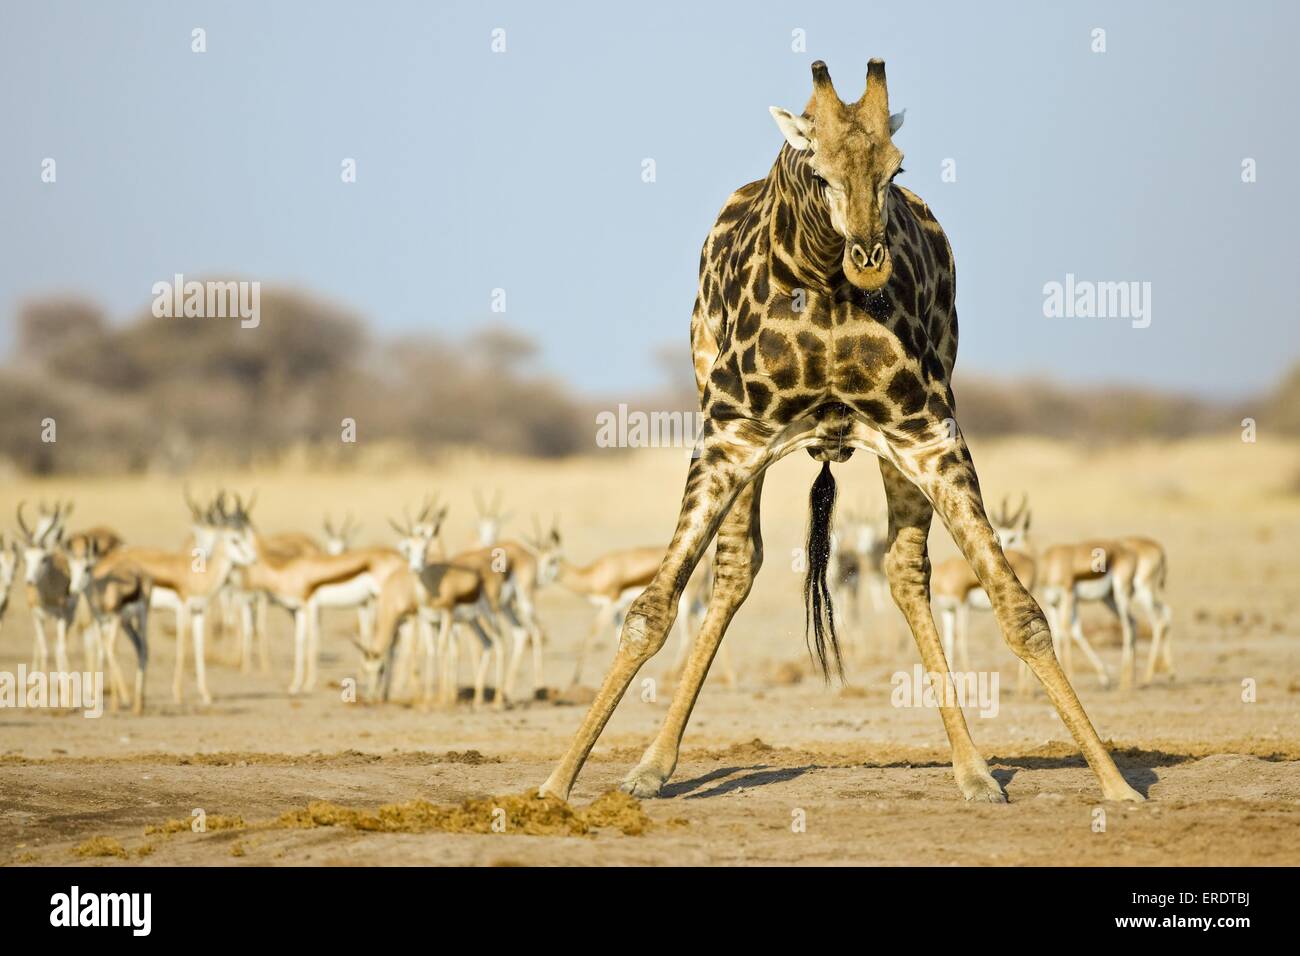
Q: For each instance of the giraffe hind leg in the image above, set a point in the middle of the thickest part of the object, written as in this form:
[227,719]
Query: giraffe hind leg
[736,561]
[726,464]
[907,569]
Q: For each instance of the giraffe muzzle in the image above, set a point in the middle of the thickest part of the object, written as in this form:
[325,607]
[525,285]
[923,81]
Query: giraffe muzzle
[868,260]
[867,264]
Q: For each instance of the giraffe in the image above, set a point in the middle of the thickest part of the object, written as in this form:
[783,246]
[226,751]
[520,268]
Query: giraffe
[825,321]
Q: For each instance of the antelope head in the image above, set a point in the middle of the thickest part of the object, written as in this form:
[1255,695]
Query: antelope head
[1011,527]
[235,528]
[338,540]
[547,549]
[418,534]
[205,523]
[850,162]
[39,543]
[490,518]
[81,552]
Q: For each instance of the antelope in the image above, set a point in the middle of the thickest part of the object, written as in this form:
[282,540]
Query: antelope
[9,555]
[449,594]
[955,591]
[250,605]
[1119,572]
[187,581]
[529,565]
[513,570]
[100,541]
[1149,592]
[117,593]
[611,583]
[443,591]
[45,577]
[337,541]
[305,583]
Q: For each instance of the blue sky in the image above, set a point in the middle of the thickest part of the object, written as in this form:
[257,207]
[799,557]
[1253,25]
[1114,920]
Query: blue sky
[522,170]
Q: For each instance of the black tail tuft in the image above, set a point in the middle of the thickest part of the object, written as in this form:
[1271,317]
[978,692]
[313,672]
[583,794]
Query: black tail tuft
[819,612]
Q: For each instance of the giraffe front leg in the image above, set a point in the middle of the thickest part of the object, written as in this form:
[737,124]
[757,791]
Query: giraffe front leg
[736,561]
[947,475]
[907,568]
[726,464]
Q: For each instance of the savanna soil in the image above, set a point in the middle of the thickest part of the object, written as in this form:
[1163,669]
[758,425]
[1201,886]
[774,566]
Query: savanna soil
[777,769]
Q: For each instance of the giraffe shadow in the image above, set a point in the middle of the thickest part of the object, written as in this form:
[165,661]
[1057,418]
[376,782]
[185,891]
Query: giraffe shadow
[1140,779]
[758,775]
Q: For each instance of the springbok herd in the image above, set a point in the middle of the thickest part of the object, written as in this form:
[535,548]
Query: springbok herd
[415,603]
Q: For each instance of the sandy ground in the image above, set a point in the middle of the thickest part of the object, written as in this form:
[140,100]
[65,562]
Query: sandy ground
[778,769]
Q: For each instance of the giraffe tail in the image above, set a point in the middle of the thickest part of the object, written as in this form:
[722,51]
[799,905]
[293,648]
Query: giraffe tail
[819,611]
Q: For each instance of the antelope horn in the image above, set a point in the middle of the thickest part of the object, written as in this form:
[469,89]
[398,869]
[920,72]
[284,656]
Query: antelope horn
[329,526]
[195,510]
[22,523]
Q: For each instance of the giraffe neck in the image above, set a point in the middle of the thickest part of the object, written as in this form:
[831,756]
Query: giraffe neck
[799,222]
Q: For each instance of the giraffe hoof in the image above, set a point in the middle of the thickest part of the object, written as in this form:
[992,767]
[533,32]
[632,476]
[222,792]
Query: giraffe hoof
[643,782]
[1123,792]
[982,789]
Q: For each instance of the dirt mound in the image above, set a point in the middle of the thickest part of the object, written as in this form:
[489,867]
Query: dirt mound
[525,813]
[210,824]
[100,846]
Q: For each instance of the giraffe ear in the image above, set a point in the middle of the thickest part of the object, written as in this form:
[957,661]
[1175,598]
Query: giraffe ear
[896,122]
[796,129]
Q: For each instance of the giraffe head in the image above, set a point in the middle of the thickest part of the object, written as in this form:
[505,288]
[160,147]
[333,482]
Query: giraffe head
[852,160]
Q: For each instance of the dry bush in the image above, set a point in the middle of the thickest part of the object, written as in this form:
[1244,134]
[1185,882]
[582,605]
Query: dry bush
[167,393]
